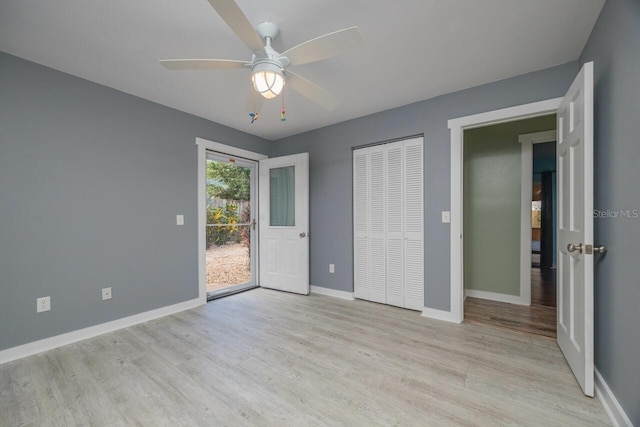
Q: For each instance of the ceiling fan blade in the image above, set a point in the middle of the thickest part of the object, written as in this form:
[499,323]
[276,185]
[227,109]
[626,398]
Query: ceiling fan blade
[238,22]
[311,91]
[323,47]
[202,64]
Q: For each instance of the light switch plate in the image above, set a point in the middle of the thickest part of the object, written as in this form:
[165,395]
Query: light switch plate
[446,217]
[179,219]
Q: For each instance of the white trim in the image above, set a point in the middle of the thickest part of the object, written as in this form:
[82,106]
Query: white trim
[456,127]
[202,146]
[526,195]
[493,296]
[539,137]
[434,313]
[511,114]
[46,344]
[611,405]
[202,222]
[228,149]
[332,293]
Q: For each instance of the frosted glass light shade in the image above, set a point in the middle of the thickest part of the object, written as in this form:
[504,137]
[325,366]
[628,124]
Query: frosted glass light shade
[268,83]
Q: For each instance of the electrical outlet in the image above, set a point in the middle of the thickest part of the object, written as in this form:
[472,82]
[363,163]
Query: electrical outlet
[43,304]
[446,217]
[332,268]
[106,293]
[179,219]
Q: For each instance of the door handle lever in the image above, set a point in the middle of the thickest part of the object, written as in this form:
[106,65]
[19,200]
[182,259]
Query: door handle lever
[574,248]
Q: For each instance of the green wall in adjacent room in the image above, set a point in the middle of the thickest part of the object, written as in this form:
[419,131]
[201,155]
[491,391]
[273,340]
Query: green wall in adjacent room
[492,183]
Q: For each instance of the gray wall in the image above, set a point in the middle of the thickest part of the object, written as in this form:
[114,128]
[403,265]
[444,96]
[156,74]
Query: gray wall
[614,46]
[91,180]
[331,182]
[492,199]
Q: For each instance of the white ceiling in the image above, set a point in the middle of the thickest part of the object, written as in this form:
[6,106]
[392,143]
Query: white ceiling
[414,49]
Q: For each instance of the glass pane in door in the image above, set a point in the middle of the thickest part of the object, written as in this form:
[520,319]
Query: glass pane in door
[282,196]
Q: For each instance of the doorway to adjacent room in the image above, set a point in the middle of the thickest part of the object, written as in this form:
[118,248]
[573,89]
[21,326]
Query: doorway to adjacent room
[505,225]
[230,225]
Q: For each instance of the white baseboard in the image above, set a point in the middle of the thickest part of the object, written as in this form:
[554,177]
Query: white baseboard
[434,313]
[332,293]
[611,405]
[511,299]
[46,344]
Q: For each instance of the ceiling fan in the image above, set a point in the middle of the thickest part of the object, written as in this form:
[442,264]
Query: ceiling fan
[269,69]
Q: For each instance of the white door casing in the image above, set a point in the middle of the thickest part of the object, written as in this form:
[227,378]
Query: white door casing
[284,249]
[575,227]
[457,127]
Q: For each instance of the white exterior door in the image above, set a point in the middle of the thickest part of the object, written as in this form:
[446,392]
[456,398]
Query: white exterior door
[575,227]
[284,223]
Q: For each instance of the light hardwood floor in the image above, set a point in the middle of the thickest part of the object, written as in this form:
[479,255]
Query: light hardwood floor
[269,358]
[537,319]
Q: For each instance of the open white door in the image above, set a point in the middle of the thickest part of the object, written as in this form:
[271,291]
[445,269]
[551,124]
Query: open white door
[284,223]
[575,227]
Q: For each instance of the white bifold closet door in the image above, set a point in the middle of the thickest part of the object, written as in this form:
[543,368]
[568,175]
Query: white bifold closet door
[388,223]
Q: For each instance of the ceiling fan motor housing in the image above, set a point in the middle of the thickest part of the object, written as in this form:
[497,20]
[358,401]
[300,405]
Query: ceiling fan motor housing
[268,29]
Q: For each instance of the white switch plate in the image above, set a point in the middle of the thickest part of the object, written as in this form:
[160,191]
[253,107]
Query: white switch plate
[179,219]
[446,217]
[106,293]
[332,268]
[43,304]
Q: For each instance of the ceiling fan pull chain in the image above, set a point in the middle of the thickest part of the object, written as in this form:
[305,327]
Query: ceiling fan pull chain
[283,116]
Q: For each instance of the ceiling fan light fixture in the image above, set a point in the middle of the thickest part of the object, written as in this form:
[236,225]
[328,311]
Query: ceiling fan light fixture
[268,79]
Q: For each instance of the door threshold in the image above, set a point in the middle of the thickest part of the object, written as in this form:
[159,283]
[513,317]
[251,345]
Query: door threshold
[226,292]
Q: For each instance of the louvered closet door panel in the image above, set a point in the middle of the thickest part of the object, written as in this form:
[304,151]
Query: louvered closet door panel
[377,227]
[360,223]
[413,224]
[394,221]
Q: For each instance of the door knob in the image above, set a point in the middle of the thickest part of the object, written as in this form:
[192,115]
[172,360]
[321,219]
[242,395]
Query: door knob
[600,249]
[574,248]
[303,235]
